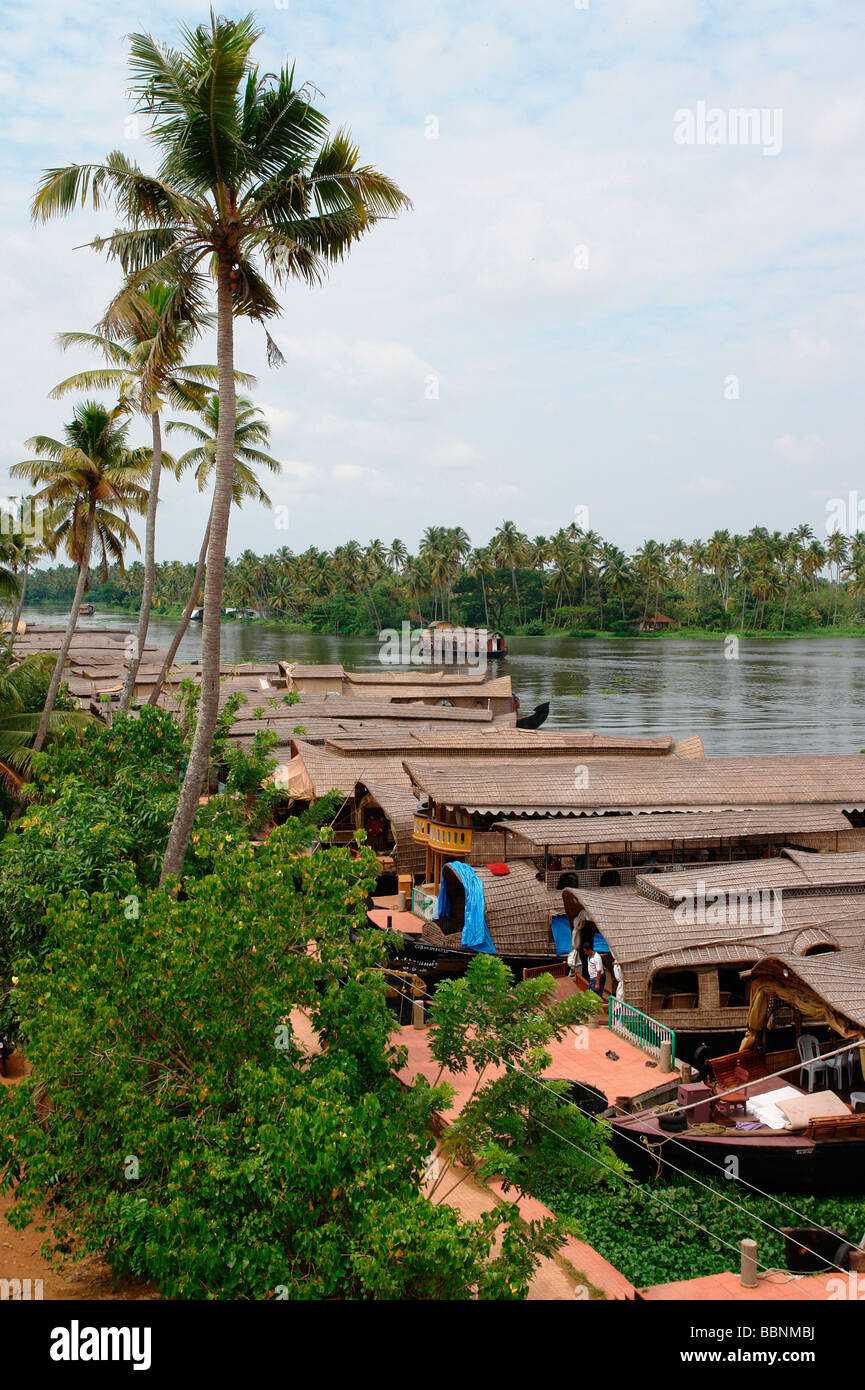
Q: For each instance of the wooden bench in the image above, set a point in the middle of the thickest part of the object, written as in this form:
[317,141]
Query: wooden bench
[737,1068]
[836,1127]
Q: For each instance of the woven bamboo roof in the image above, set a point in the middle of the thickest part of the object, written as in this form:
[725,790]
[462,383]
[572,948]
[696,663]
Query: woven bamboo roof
[567,831]
[639,930]
[631,784]
[496,740]
[794,872]
[312,671]
[691,747]
[838,979]
[428,676]
[518,910]
[284,717]
[397,801]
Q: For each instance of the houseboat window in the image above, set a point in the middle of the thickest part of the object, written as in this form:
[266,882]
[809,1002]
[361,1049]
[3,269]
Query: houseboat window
[610,878]
[820,949]
[733,991]
[675,989]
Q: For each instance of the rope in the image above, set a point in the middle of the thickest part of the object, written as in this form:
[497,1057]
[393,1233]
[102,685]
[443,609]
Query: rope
[688,1176]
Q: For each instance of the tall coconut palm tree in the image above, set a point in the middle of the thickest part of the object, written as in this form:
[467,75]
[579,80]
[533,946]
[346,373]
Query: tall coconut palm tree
[250,431]
[249,187]
[510,544]
[91,481]
[28,548]
[147,334]
[837,550]
[616,572]
[10,559]
[649,563]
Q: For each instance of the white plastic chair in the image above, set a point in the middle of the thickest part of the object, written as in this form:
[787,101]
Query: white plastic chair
[812,1065]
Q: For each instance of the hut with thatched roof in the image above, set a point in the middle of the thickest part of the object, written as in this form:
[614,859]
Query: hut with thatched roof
[518,909]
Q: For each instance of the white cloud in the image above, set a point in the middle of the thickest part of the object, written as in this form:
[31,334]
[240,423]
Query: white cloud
[706,487]
[298,474]
[552,136]
[807,348]
[455,454]
[799,450]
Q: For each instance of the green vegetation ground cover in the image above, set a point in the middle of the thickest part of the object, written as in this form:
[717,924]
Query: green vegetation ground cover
[667,1231]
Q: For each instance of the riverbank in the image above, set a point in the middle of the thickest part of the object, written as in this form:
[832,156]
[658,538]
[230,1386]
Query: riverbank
[679,634]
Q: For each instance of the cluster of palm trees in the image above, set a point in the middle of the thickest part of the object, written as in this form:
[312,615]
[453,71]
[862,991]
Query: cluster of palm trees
[571,579]
[251,193]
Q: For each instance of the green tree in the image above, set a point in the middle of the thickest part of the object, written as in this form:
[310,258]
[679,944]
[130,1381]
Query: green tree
[517,1124]
[250,431]
[250,186]
[194,1140]
[147,334]
[91,482]
[23,689]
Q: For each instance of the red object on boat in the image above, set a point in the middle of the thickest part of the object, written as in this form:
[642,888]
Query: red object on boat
[498,869]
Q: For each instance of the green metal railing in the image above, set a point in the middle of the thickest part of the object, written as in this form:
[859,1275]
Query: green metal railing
[640,1029]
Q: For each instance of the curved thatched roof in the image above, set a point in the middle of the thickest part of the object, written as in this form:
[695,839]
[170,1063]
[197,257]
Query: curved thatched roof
[639,930]
[633,784]
[517,907]
[837,980]
[795,872]
[575,832]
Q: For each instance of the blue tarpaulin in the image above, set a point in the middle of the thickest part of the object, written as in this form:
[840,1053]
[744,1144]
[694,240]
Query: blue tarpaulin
[561,934]
[601,945]
[476,933]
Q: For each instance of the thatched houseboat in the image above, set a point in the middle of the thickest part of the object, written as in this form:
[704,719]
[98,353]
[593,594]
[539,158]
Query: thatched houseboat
[522,916]
[609,851]
[683,942]
[791,1118]
[463,800]
[365,760]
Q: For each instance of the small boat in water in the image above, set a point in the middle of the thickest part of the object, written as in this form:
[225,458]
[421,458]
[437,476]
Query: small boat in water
[791,1120]
[86,610]
[537,718]
[443,644]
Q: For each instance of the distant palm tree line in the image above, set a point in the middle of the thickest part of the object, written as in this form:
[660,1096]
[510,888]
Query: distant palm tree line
[571,581]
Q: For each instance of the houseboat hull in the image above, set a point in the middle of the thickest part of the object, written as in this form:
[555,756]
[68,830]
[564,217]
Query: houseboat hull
[430,960]
[774,1163]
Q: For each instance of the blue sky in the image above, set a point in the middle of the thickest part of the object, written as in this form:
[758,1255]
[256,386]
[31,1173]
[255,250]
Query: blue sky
[667,335]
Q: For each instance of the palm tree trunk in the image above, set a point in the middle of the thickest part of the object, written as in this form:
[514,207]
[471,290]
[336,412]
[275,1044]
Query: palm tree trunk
[57,673]
[149,564]
[184,621]
[208,708]
[16,616]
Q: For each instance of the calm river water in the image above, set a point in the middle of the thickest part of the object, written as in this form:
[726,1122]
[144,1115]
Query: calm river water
[786,696]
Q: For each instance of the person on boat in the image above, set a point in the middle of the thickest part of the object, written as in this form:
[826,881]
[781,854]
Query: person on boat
[597,974]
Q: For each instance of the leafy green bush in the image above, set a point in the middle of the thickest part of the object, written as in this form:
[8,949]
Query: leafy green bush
[517,1123]
[656,1234]
[176,1122]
